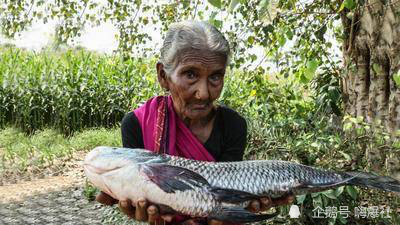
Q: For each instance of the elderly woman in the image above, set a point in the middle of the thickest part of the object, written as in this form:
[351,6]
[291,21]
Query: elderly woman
[187,122]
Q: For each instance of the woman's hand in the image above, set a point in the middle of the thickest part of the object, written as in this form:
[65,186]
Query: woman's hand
[266,203]
[262,204]
[141,210]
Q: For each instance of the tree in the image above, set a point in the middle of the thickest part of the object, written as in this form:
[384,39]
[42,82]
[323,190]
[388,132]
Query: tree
[371,79]
[297,36]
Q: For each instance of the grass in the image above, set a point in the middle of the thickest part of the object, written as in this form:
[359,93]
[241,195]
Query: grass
[19,151]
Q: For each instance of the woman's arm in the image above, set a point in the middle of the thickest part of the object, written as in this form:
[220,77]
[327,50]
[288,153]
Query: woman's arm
[131,131]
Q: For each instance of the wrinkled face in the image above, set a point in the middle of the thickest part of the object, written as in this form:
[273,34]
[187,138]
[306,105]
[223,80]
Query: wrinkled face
[195,83]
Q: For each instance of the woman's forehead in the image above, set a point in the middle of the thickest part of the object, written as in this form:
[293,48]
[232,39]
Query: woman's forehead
[201,58]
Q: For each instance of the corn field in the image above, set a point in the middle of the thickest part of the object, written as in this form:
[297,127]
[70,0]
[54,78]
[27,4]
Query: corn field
[70,90]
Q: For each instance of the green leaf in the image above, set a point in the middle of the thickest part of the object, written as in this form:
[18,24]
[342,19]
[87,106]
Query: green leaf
[352,192]
[317,201]
[339,191]
[250,40]
[330,194]
[216,3]
[263,8]
[282,40]
[342,219]
[264,4]
[216,23]
[348,4]
[300,199]
[376,68]
[312,66]
[396,79]
[289,34]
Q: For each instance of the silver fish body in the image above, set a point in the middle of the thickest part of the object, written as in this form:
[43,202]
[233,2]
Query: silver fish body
[209,189]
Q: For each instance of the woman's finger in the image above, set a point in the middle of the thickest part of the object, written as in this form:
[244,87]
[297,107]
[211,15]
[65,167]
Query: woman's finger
[141,210]
[215,222]
[254,206]
[105,199]
[282,200]
[266,203]
[153,215]
[126,207]
[167,217]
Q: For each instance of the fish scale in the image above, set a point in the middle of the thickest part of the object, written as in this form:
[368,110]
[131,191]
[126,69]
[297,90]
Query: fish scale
[272,177]
[218,190]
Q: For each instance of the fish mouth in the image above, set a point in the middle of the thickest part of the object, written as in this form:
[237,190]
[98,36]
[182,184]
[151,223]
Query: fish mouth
[94,174]
[99,171]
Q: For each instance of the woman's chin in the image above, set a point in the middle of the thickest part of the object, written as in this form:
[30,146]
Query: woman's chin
[198,114]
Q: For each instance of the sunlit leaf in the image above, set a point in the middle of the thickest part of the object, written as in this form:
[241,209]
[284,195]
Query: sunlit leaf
[396,78]
[216,3]
[339,191]
[348,4]
[311,68]
[250,40]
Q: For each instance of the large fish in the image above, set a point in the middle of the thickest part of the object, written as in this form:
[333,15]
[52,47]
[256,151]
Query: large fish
[208,189]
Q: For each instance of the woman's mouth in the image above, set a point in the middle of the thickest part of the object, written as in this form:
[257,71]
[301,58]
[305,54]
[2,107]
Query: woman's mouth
[202,106]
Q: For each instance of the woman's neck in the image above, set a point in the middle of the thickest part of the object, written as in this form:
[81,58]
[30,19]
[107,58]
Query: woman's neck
[199,123]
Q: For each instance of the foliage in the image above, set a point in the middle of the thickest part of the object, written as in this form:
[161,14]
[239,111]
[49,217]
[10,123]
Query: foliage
[90,191]
[320,144]
[272,25]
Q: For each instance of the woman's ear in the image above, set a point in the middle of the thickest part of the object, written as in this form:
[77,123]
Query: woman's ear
[162,76]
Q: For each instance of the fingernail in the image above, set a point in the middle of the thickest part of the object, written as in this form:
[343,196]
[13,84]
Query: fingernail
[167,218]
[124,203]
[142,203]
[265,201]
[255,205]
[152,210]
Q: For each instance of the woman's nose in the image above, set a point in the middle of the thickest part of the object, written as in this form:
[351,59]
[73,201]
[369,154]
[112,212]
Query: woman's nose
[202,91]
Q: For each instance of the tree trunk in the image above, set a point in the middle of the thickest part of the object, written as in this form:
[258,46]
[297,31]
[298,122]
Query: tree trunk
[372,58]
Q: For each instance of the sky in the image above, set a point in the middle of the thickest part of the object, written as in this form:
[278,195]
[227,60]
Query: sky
[101,38]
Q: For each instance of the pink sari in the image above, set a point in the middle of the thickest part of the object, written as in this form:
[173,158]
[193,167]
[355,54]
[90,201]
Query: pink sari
[164,132]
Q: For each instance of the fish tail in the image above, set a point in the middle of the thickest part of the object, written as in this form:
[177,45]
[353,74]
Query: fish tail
[373,181]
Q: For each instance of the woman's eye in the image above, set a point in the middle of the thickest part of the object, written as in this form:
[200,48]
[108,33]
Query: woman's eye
[216,77]
[190,74]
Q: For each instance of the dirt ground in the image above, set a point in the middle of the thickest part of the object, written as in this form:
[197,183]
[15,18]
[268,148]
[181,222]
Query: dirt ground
[51,199]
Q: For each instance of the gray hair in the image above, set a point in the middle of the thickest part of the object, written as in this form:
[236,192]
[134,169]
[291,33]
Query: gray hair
[191,35]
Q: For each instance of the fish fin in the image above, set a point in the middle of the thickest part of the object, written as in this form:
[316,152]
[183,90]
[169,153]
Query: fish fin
[173,178]
[239,215]
[373,181]
[232,195]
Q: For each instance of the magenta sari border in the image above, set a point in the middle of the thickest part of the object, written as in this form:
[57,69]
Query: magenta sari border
[181,141]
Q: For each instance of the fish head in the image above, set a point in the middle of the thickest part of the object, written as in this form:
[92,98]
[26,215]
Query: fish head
[111,168]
